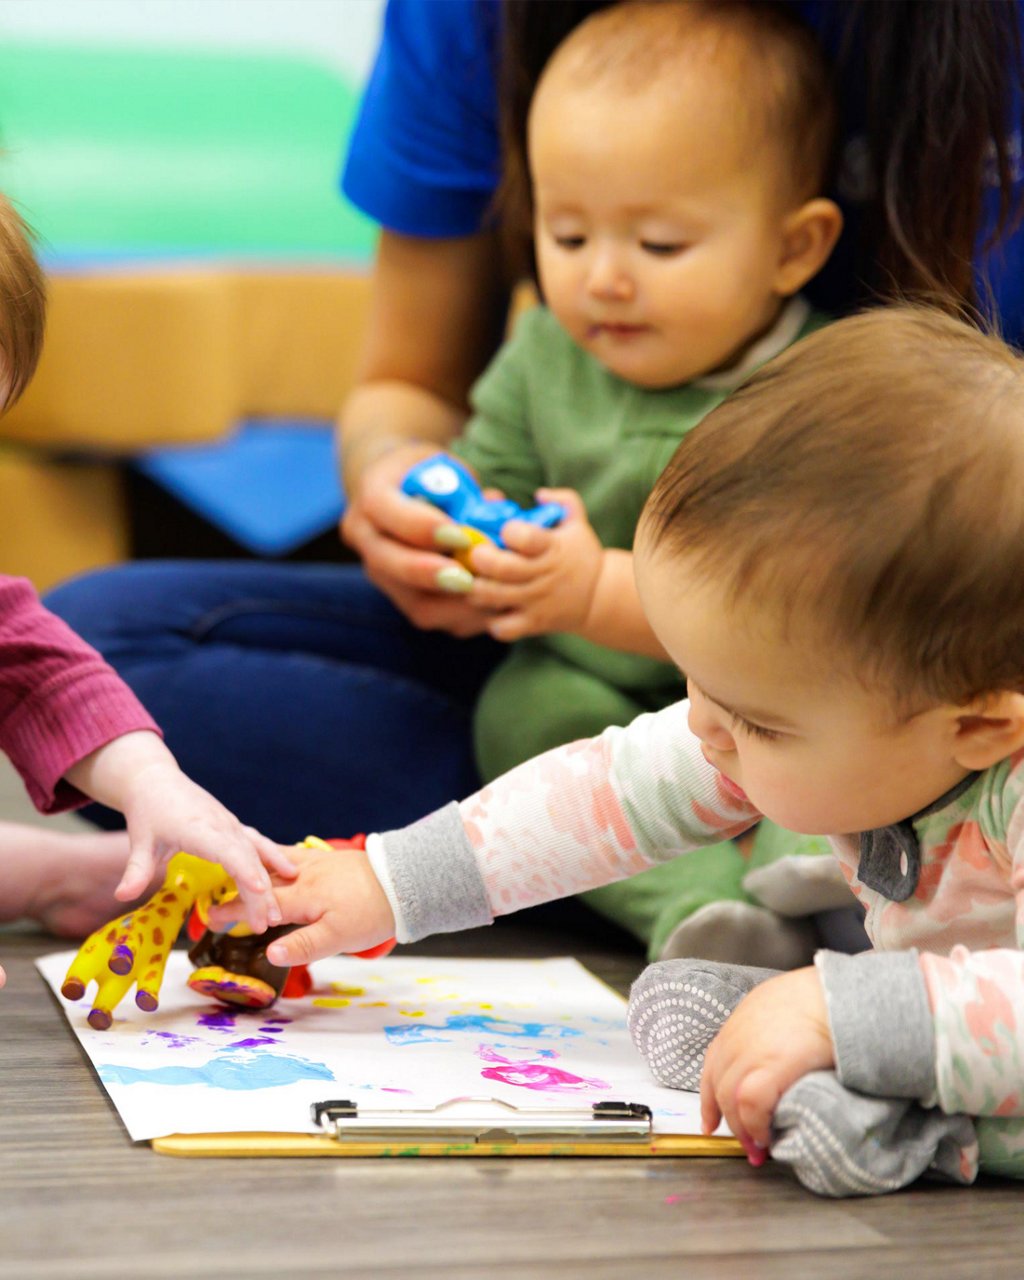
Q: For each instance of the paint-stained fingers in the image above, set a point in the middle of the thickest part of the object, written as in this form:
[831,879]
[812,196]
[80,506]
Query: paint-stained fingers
[122,950]
[91,960]
[150,979]
[112,990]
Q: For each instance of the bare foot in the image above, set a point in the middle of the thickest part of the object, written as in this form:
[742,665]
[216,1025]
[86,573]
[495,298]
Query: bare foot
[64,882]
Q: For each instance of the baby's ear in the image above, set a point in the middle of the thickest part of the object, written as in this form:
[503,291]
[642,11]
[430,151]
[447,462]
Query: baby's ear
[809,235]
[989,729]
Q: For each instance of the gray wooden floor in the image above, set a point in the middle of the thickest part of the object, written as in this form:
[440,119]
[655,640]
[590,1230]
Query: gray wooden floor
[78,1200]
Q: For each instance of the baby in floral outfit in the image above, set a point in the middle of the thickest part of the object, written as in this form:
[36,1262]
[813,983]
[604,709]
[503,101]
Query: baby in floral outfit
[847,534]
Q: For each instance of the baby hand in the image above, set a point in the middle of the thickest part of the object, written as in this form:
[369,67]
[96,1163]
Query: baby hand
[338,900]
[166,812]
[545,581]
[776,1034]
[174,813]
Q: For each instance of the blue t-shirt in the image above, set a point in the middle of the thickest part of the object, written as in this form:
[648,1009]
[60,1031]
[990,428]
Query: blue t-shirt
[424,157]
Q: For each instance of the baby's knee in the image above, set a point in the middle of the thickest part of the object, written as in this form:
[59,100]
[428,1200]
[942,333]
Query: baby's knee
[676,1008]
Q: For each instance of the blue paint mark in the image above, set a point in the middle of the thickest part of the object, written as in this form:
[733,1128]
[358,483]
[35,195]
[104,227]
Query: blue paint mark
[476,1024]
[236,1071]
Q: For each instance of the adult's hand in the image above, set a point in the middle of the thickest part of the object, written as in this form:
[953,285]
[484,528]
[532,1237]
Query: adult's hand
[395,537]
[436,317]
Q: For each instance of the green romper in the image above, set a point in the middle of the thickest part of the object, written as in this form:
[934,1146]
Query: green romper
[547,414]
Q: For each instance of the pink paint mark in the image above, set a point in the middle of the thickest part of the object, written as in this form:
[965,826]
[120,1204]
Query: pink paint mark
[539,1076]
[673,1199]
[387,1089]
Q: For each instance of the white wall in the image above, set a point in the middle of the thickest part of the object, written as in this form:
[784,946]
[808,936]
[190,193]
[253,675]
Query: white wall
[341,33]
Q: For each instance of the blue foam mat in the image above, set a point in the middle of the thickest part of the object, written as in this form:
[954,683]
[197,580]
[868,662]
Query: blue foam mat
[271,486]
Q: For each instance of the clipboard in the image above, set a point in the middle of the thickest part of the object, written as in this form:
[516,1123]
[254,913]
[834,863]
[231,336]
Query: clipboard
[473,1126]
[387,1058]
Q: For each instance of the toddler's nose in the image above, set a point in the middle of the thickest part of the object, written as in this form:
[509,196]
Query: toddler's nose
[709,726]
[608,278]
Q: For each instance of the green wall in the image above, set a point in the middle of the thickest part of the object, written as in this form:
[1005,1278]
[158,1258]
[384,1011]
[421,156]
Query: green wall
[121,152]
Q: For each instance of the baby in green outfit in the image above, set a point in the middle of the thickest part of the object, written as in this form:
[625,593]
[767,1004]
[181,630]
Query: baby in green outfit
[677,152]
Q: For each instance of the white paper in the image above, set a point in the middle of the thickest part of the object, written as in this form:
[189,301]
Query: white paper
[393,1032]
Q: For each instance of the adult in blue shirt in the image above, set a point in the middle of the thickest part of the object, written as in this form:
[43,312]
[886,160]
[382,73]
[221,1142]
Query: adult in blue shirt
[337,698]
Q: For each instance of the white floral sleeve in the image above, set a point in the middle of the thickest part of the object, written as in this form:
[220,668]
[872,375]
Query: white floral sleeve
[599,810]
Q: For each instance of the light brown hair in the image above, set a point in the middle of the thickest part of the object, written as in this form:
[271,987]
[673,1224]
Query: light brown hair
[776,68]
[22,306]
[907,63]
[868,486]
[782,79]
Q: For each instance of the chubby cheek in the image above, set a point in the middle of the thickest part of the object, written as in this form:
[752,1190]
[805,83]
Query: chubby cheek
[785,793]
[563,292]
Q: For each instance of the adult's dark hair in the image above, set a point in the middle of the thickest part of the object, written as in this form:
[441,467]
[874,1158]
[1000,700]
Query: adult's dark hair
[935,79]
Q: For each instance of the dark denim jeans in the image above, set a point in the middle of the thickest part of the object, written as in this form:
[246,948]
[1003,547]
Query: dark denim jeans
[297,694]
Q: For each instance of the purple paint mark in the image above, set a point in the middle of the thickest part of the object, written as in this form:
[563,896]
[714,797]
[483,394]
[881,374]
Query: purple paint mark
[170,1039]
[534,1075]
[121,960]
[477,1024]
[252,1042]
[217,1019]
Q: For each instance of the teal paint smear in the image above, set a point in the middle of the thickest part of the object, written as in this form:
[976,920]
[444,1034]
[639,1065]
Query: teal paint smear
[235,1071]
[476,1024]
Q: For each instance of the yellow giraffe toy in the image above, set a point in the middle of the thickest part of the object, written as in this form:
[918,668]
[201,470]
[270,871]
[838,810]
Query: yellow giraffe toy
[135,947]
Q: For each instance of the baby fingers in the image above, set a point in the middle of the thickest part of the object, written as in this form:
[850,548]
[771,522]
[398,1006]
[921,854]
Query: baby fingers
[494,564]
[276,857]
[756,1097]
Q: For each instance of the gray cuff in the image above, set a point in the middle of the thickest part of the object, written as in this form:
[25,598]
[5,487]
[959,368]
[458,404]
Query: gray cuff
[435,875]
[881,1023]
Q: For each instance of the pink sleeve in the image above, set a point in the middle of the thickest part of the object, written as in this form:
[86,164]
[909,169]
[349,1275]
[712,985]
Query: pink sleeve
[59,700]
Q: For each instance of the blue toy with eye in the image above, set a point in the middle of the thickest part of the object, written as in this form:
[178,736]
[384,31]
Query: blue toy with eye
[445,483]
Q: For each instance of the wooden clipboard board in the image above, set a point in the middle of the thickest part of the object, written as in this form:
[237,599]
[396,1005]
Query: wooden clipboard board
[474,1127]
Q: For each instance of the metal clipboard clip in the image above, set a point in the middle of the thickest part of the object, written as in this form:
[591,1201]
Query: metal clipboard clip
[473,1119]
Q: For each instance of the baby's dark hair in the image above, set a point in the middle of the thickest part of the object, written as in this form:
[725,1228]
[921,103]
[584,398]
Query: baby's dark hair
[22,306]
[865,486]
